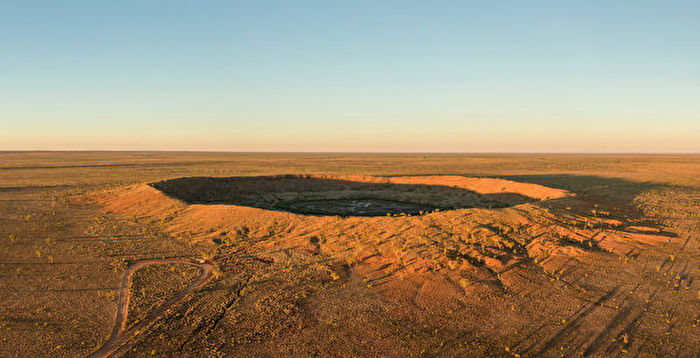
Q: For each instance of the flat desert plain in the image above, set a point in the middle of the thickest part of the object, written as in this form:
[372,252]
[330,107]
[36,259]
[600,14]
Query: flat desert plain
[132,254]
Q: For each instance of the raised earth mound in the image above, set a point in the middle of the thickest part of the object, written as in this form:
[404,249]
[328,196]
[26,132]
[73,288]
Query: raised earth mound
[482,259]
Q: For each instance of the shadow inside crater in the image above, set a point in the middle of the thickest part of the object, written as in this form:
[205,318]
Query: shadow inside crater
[324,196]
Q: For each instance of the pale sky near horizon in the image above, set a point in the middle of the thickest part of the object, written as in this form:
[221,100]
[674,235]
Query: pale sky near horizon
[446,76]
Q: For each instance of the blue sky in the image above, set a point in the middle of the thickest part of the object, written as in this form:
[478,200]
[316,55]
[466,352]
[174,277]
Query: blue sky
[507,76]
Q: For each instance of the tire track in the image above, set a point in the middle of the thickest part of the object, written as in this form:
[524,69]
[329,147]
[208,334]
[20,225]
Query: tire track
[119,336]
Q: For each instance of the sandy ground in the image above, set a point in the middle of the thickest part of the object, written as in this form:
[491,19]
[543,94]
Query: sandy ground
[536,255]
[119,335]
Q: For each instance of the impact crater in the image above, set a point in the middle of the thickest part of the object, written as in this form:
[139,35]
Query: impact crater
[342,195]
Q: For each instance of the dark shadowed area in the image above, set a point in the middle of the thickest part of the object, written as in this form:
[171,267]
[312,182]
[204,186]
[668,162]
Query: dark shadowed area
[323,196]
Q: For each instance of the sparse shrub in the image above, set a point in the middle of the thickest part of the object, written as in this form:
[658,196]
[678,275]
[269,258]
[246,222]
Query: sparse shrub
[206,255]
[452,264]
[110,295]
[242,233]
[314,240]
[351,261]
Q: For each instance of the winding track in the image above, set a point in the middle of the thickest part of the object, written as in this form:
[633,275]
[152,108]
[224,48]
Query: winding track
[119,336]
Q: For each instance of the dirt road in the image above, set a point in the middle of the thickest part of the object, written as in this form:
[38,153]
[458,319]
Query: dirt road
[119,336]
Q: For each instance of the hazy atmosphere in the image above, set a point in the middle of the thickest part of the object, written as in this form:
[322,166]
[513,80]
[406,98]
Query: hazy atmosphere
[411,76]
[503,179]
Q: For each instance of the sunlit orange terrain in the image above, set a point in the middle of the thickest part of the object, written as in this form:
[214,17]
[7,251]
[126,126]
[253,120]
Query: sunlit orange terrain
[543,265]
[489,255]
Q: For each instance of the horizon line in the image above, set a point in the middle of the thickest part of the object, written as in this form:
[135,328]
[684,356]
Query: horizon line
[335,152]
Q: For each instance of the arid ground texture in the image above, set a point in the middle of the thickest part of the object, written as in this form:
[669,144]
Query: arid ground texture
[166,254]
